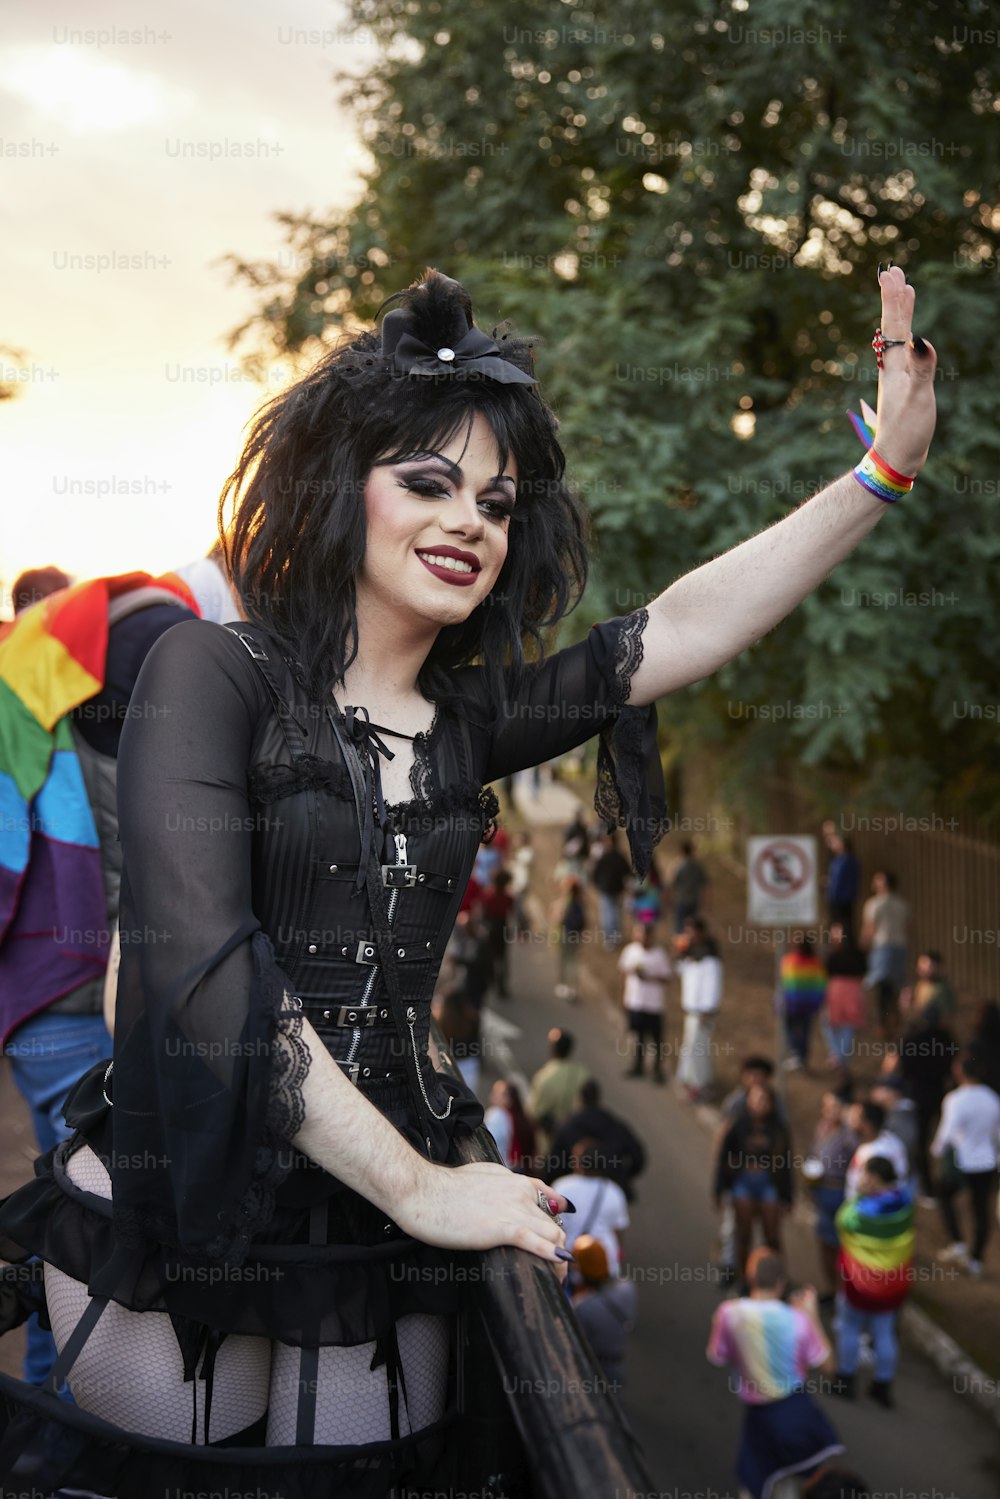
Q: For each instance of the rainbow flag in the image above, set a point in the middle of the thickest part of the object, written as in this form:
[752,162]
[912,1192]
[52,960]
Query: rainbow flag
[53,917]
[876,1249]
[803,983]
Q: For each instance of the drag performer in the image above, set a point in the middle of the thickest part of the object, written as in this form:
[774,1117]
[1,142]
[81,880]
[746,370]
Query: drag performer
[257,1247]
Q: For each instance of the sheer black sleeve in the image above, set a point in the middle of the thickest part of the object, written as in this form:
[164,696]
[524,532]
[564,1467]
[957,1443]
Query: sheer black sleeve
[208,1061]
[575,694]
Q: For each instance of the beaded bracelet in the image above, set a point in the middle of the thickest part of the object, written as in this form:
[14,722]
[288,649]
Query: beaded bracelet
[879,479]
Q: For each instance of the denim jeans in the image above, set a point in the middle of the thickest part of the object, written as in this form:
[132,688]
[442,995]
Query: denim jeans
[48,1054]
[609,916]
[798,1028]
[841,1039]
[850,1324]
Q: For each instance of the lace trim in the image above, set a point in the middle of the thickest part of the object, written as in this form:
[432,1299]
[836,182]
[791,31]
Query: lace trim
[420,815]
[629,782]
[628,655]
[269,783]
[421,774]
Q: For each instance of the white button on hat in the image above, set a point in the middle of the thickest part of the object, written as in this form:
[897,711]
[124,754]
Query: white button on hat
[446,354]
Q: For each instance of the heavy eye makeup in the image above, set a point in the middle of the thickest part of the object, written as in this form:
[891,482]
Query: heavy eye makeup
[431,485]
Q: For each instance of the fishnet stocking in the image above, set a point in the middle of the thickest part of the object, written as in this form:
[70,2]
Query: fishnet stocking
[352,1399]
[130,1370]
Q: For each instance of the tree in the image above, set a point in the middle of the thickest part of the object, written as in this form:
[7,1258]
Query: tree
[691,211]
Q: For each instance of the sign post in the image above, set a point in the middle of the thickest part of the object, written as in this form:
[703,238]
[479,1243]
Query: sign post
[781,893]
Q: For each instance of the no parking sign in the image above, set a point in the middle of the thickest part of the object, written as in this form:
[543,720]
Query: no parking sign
[781,881]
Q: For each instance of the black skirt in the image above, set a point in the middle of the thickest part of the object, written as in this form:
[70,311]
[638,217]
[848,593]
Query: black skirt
[331,1273]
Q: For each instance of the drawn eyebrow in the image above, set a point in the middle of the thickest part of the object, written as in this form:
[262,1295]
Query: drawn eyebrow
[454,471]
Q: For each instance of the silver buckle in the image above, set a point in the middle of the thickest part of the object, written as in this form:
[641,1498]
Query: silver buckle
[352,1071]
[366,953]
[356,1015]
[251,645]
[408,871]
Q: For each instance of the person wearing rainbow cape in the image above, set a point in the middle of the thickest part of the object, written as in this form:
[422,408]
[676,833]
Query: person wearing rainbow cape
[876,1270]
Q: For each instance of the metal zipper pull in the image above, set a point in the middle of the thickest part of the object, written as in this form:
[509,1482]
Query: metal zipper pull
[400,841]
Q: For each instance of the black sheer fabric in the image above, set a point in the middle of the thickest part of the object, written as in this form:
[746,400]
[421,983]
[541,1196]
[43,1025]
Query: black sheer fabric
[239,917]
[580,692]
[200,1078]
[202,1082]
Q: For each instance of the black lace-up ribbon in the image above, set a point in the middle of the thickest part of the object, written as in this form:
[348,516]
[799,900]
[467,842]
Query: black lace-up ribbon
[363,735]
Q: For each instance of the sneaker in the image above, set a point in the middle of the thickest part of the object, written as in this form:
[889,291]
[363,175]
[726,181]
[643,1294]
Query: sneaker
[955,1253]
[975,1269]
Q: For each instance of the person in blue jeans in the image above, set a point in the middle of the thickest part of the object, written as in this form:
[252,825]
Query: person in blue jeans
[876,1271]
[48,1054]
[754,1166]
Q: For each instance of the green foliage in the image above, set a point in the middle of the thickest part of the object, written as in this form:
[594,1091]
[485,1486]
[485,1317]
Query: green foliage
[689,212]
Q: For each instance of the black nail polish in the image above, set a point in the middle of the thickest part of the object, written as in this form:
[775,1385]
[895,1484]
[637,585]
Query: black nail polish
[919,347]
[569,1208]
[888,265]
[563,1254]
[878,274]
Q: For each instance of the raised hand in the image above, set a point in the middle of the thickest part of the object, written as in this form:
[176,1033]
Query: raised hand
[906,409]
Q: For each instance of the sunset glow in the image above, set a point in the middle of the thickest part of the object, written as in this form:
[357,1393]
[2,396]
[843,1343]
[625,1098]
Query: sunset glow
[132,161]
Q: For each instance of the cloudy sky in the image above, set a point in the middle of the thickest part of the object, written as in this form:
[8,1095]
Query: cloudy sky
[137,146]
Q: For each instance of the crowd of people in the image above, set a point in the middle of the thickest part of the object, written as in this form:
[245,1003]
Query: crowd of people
[924,1131]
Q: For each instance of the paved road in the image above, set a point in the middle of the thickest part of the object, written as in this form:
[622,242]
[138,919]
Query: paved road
[935,1445]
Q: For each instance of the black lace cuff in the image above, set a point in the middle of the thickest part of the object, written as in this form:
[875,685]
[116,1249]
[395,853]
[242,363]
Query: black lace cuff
[630,793]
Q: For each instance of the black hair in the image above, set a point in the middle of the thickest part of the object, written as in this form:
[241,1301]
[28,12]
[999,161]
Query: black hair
[561,1044]
[972,1066]
[874,1113]
[590,1093]
[298,532]
[881,1167]
[758,1064]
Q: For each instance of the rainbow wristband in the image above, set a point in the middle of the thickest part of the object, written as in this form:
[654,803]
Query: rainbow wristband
[875,475]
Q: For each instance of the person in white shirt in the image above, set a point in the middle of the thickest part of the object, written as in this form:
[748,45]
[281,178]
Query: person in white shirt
[969,1135]
[601,1205]
[647,970]
[867,1120]
[701,995]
